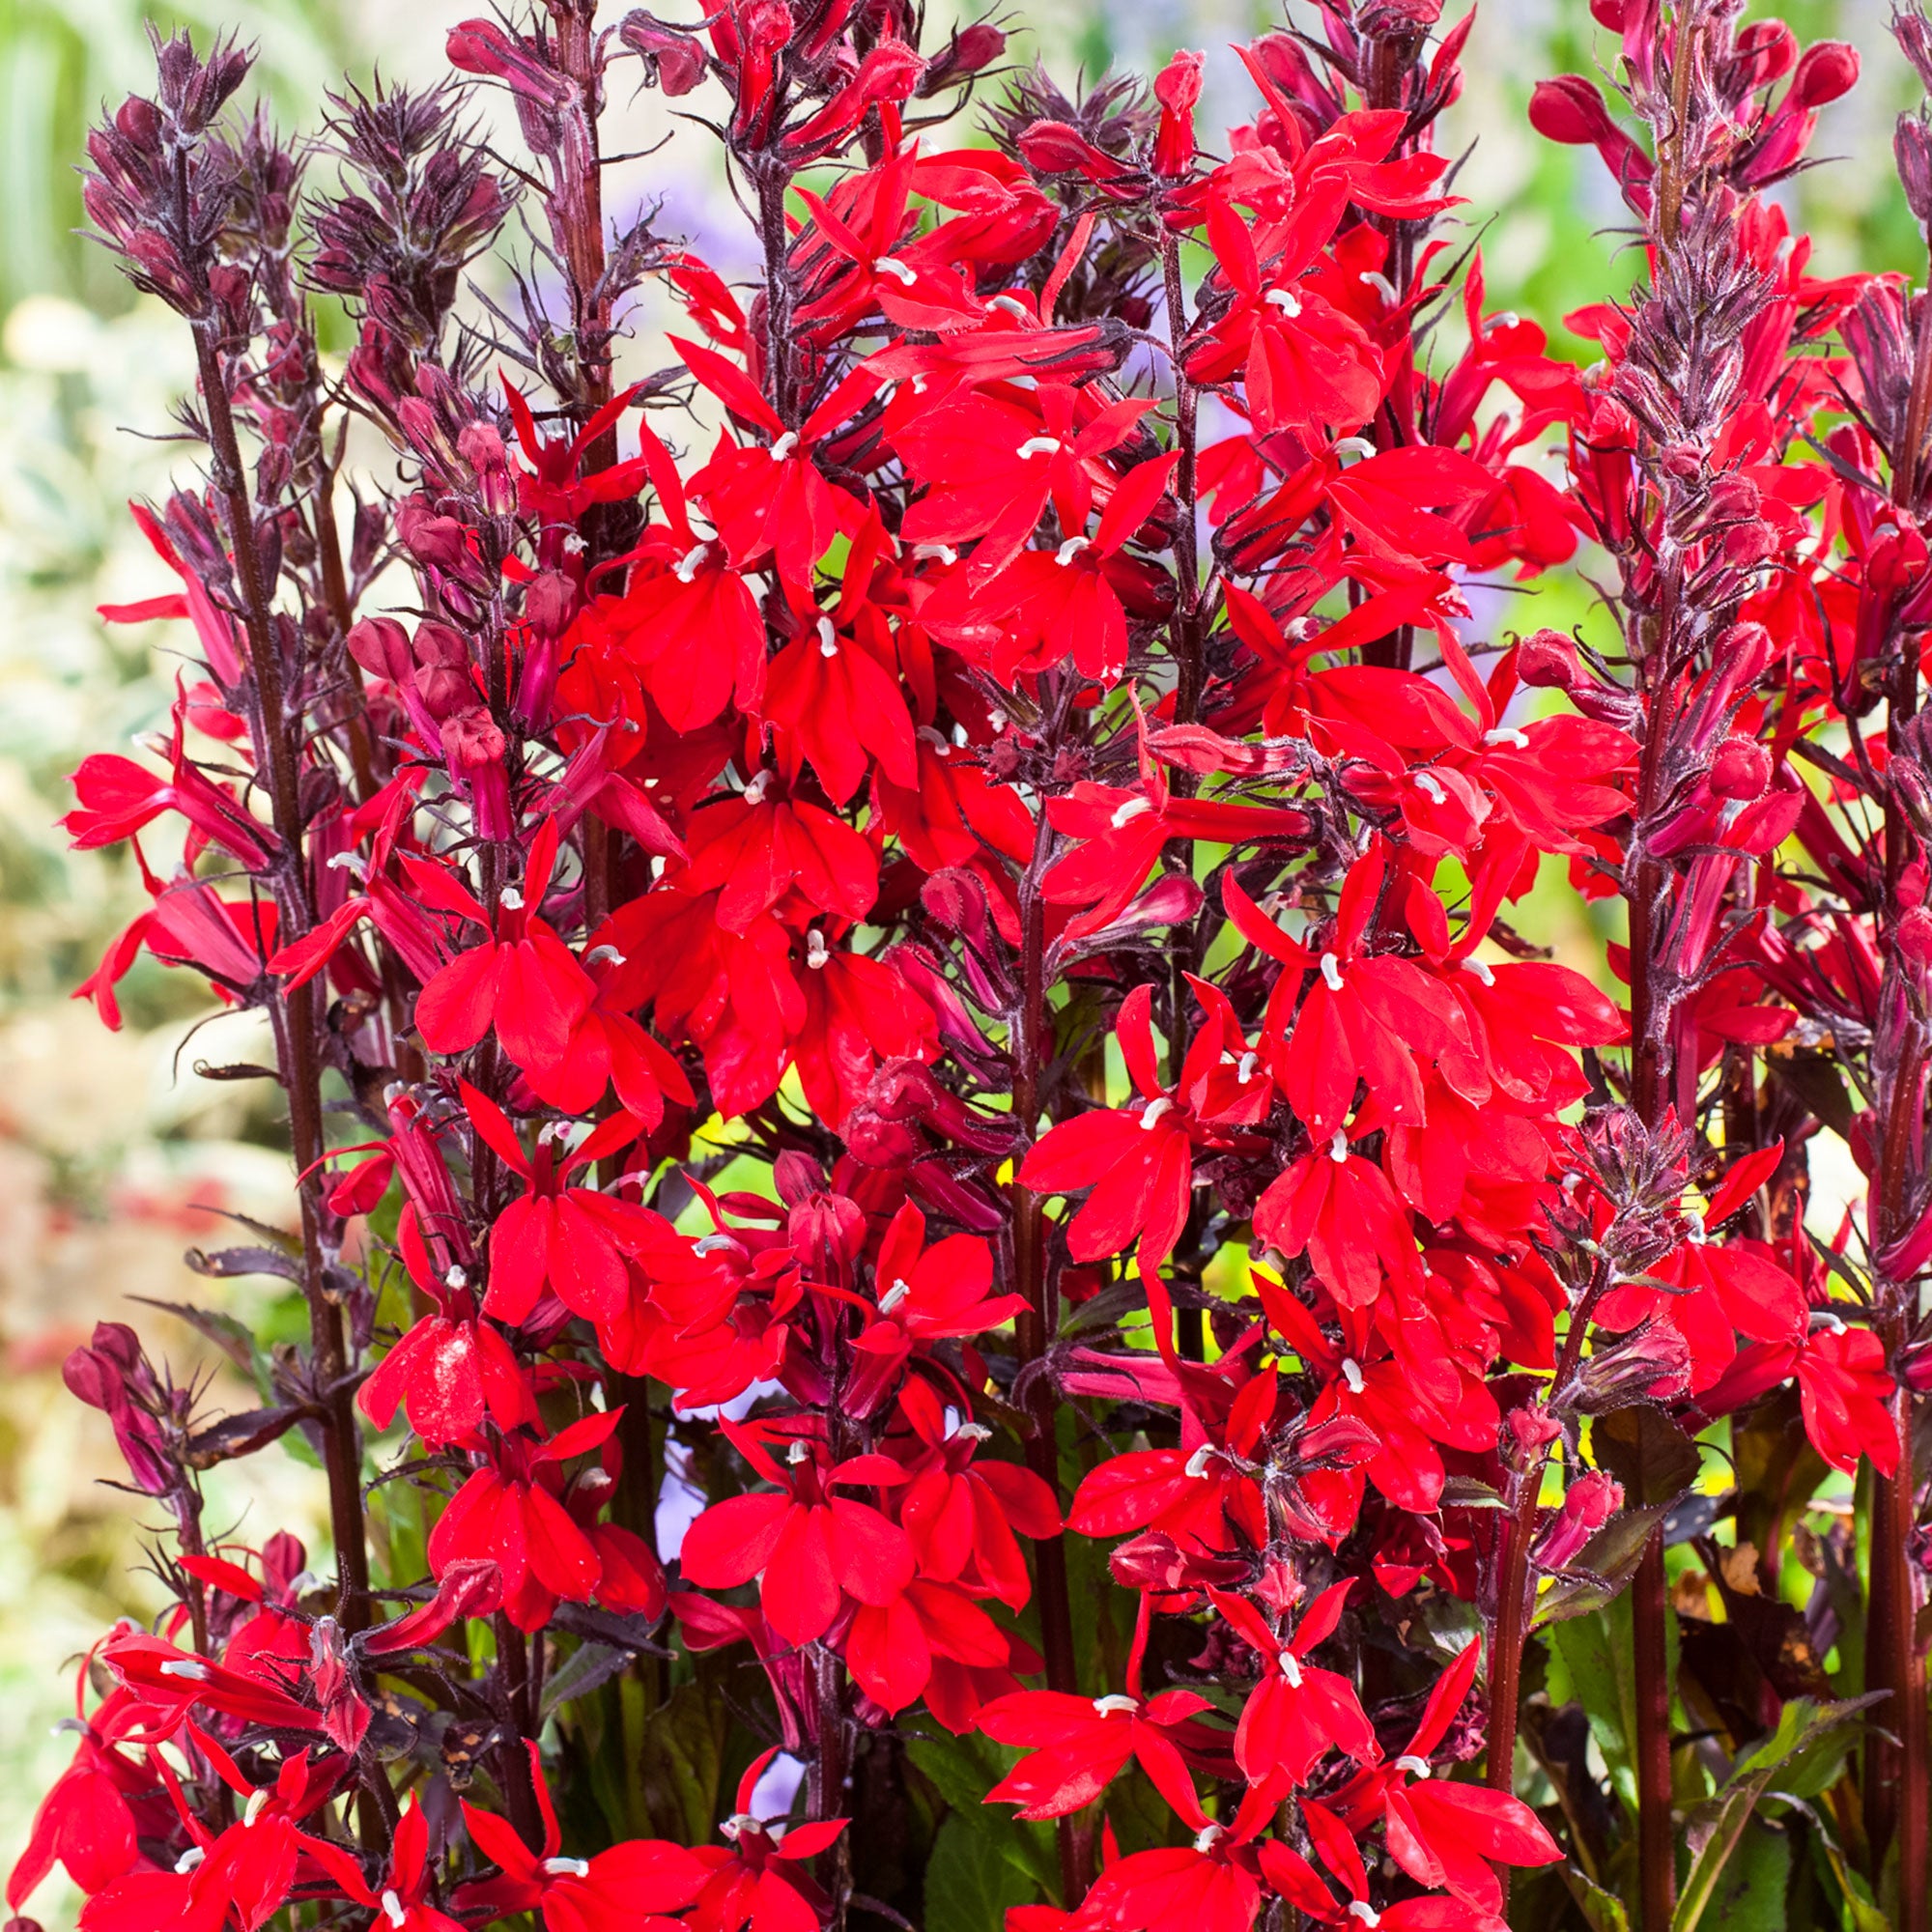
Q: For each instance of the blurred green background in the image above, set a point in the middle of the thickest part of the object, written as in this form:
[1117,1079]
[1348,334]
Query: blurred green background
[113,1155]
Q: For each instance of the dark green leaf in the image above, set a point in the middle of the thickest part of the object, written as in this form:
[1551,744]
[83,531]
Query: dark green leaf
[969,1885]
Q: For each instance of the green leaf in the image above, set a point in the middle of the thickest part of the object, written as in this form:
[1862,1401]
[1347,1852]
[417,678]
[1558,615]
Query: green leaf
[964,1770]
[683,1764]
[1717,1829]
[1590,1667]
[1603,1909]
[1601,1570]
[969,1885]
[1752,1896]
[1647,1453]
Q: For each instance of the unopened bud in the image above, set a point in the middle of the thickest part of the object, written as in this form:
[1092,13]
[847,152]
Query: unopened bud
[1547,660]
[1741,769]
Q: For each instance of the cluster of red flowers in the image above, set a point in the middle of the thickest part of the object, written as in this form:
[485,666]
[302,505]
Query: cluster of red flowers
[720,882]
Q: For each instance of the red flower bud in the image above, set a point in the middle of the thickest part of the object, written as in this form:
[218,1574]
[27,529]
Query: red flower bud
[1741,769]
[1571,110]
[1546,661]
[1827,71]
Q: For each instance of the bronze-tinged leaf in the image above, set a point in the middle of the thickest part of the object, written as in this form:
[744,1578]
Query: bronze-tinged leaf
[1647,1453]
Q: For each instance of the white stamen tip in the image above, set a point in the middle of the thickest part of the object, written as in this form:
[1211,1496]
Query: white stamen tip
[1351,1374]
[1208,1837]
[392,1908]
[1338,1148]
[512,900]
[687,566]
[455,1277]
[605,956]
[1285,300]
[1416,1767]
[1507,735]
[1431,787]
[192,1668]
[1245,1070]
[738,1824]
[1197,1464]
[190,1859]
[1480,969]
[1331,972]
[1071,548]
[828,638]
[1353,445]
[1291,1670]
[1360,1908]
[799,1451]
[1013,306]
[1114,1705]
[887,265]
[257,1803]
[1133,808]
[1152,1112]
[784,445]
[755,790]
[893,1296]
[1037,445]
[815,950]
[567,1868]
[940,553]
[711,1243]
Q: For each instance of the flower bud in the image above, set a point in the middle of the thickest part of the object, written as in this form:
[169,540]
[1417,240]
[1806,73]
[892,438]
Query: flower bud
[382,647]
[1570,110]
[1741,769]
[1546,661]
[1178,89]
[1588,1504]
[1827,71]
[547,602]
[1912,151]
[674,61]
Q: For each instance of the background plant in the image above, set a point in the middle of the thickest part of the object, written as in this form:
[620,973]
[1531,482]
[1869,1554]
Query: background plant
[968,742]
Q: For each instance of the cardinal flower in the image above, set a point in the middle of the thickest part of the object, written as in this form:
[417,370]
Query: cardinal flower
[762,1883]
[816,1550]
[639,1884]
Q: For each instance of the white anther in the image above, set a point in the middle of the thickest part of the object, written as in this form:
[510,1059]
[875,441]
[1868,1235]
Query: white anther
[760,784]
[1115,1705]
[455,1277]
[190,1859]
[1331,972]
[1208,1837]
[1694,1230]
[784,445]
[941,553]
[1338,1148]
[257,1803]
[1416,1767]
[605,956]
[1823,1318]
[799,1451]
[1351,445]
[1506,319]
[1285,300]
[971,1431]
[1152,1112]
[687,566]
[1069,549]
[1507,735]
[815,951]
[1244,1070]
[512,900]
[1197,1464]
[350,862]
[190,1667]
[392,1908]
[1480,971]
[737,1824]
[996,721]
[886,265]
[1351,1374]
[1013,306]
[1291,1670]
[566,1867]
[828,638]
[1374,278]
[1360,1908]
[1131,809]
[1037,445]
[711,1244]
[1430,786]
[893,1296]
